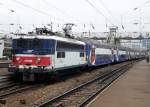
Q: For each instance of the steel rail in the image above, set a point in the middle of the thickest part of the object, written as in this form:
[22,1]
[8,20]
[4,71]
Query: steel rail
[85,102]
[101,77]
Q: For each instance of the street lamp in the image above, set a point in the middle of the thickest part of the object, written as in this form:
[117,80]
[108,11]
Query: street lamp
[140,19]
[11,24]
[140,13]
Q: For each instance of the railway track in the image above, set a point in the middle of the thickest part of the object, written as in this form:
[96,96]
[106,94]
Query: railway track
[8,86]
[14,88]
[5,81]
[82,94]
[6,77]
[4,64]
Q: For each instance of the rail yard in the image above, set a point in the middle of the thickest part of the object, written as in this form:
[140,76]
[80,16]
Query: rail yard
[74,53]
[41,94]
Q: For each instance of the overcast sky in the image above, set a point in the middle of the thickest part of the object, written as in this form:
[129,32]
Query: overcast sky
[30,13]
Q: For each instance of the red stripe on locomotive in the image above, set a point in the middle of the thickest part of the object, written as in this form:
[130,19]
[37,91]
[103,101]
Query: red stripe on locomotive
[31,60]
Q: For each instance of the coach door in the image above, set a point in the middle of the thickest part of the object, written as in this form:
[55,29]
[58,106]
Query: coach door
[92,56]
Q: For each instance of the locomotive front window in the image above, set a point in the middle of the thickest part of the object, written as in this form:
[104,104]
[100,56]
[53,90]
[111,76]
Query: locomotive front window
[36,43]
[39,46]
[20,43]
[28,43]
[33,43]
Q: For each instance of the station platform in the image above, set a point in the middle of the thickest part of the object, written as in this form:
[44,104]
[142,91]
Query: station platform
[132,89]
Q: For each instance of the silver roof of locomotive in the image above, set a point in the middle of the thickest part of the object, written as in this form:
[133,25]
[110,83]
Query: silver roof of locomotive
[54,37]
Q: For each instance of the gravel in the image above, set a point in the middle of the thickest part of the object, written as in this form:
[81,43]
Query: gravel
[31,98]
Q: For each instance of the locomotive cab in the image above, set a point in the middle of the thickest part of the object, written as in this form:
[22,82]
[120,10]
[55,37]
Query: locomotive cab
[32,55]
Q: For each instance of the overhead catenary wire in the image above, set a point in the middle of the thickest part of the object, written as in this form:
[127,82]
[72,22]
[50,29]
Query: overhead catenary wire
[42,12]
[99,12]
[11,10]
[143,4]
[65,13]
[108,10]
[148,1]
[61,11]
[37,10]
[47,13]
[56,8]
[50,4]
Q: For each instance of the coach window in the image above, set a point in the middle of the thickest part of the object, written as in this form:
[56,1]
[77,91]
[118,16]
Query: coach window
[63,54]
[60,54]
[81,54]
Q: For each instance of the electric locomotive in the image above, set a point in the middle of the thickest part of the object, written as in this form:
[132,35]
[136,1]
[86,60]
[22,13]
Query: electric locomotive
[40,54]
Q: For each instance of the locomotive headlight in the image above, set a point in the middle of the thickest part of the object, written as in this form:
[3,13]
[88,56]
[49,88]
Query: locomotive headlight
[38,60]
[18,58]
